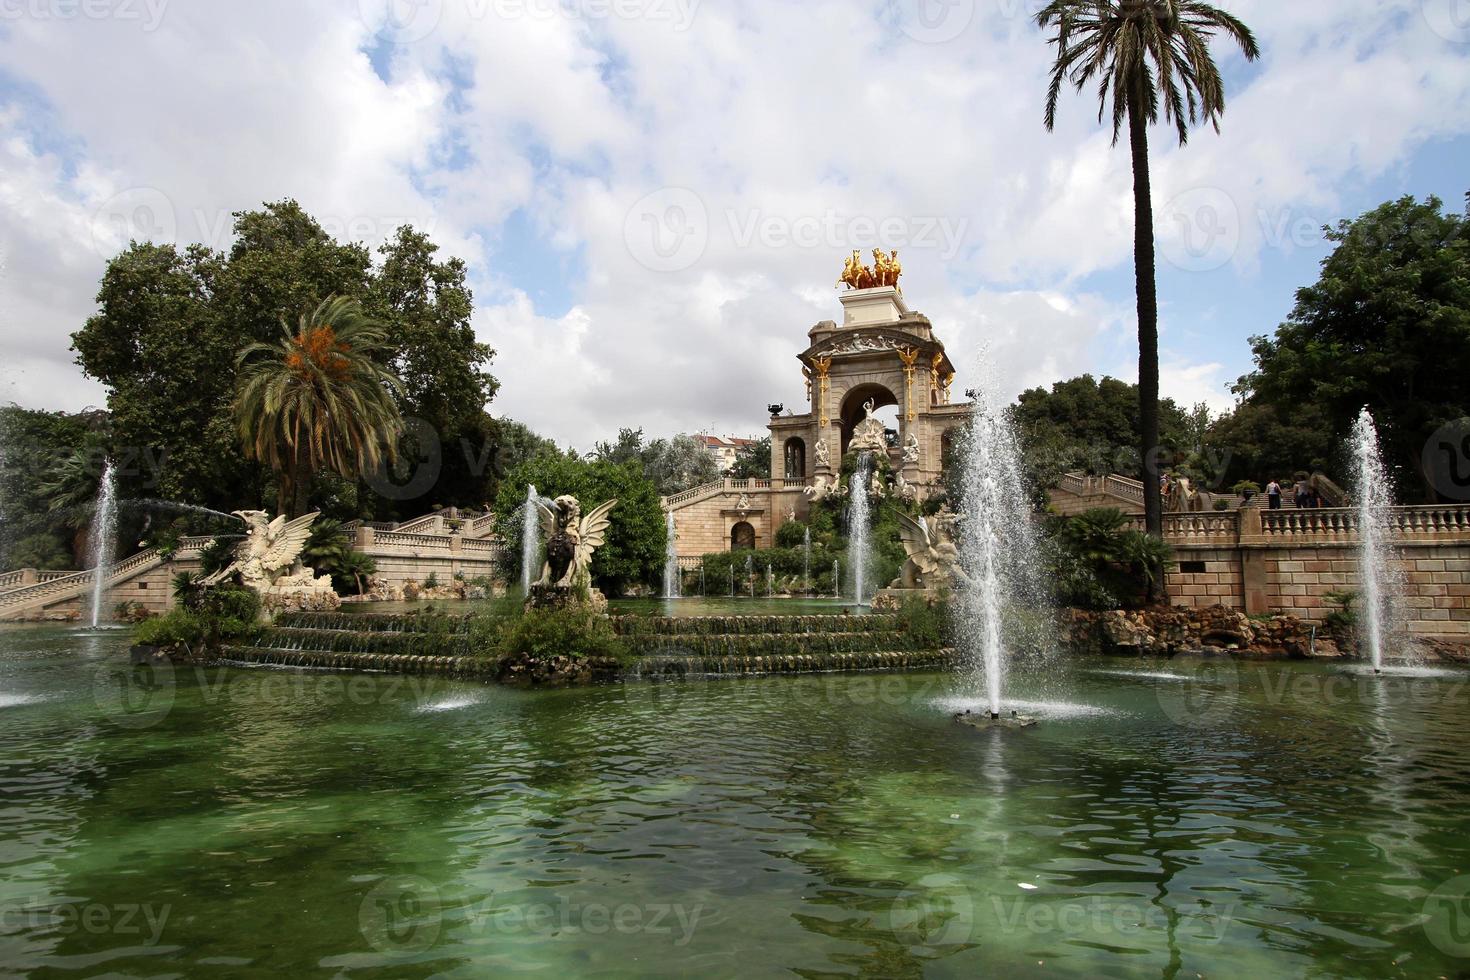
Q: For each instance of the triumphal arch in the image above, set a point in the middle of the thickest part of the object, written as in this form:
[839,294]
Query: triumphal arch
[881,354]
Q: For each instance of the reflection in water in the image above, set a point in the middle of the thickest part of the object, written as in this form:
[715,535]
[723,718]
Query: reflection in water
[1288,819]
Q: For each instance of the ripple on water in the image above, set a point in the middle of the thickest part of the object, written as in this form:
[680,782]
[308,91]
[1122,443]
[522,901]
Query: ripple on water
[1037,709]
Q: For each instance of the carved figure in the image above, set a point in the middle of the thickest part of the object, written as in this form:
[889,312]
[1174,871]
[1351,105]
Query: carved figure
[824,455]
[911,449]
[903,489]
[1182,497]
[570,540]
[885,270]
[876,487]
[820,489]
[933,556]
[869,434]
[270,555]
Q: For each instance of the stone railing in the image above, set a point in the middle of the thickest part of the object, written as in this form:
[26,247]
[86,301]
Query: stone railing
[1339,524]
[1111,485]
[487,546]
[695,493]
[480,527]
[11,580]
[406,539]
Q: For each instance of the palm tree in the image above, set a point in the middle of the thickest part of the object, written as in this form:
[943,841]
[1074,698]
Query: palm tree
[319,398]
[1143,55]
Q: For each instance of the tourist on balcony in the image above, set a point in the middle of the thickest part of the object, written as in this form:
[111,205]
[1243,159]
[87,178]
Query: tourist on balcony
[1273,494]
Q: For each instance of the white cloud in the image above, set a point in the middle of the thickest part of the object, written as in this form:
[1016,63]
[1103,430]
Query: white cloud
[800,129]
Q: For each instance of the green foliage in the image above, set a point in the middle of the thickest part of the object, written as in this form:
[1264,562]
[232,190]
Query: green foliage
[1094,427]
[432,582]
[317,400]
[1096,560]
[329,551]
[1343,620]
[572,631]
[674,465]
[928,626]
[170,323]
[753,461]
[211,617]
[791,534]
[43,550]
[216,556]
[1386,325]
[39,448]
[634,552]
[1244,487]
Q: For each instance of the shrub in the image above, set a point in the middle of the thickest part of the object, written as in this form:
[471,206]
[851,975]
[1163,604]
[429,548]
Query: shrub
[1222,505]
[573,631]
[432,582]
[1099,559]
[926,625]
[220,614]
[792,534]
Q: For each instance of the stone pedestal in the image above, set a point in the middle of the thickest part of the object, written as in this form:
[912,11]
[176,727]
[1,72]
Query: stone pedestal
[882,304]
[562,597]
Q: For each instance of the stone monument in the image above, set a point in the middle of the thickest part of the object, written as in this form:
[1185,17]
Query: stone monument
[269,561]
[571,539]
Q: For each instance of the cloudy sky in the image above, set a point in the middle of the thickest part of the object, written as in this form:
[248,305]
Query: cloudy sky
[655,196]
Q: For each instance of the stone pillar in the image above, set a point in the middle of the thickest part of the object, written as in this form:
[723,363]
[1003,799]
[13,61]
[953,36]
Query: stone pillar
[364,537]
[1254,588]
[29,576]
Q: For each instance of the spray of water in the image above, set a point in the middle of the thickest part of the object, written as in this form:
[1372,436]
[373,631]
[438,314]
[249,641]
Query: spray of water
[997,541]
[530,537]
[859,527]
[1378,576]
[672,585]
[806,558]
[104,538]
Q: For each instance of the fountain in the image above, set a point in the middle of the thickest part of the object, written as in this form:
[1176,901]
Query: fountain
[770,582]
[732,580]
[104,537]
[858,525]
[530,518]
[836,579]
[1376,573]
[750,573]
[671,561]
[997,546]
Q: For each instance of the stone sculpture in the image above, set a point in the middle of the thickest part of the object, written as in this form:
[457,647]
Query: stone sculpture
[268,560]
[903,489]
[1182,497]
[570,541]
[821,488]
[869,434]
[876,487]
[824,456]
[933,555]
[911,449]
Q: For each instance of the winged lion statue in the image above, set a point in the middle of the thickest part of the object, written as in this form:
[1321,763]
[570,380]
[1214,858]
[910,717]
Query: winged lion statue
[271,552]
[571,538]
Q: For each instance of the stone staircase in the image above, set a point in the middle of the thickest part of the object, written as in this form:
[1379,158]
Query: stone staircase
[22,598]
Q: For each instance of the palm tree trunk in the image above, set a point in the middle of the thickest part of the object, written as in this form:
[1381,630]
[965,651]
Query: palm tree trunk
[1148,325]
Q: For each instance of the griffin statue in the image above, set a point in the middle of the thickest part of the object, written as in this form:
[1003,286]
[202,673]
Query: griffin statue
[933,557]
[269,561]
[570,540]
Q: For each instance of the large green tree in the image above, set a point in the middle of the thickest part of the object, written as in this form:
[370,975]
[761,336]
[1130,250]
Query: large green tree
[674,465]
[634,552]
[1387,325]
[49,474]
[170,323]
[1143,56]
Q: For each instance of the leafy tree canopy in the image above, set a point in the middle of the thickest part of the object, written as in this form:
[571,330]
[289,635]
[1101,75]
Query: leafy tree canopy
[1386,325]
[634,552]
[674,465]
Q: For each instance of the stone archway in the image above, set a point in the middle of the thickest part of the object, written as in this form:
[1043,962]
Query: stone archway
[742,537]
[795,458]
[853,410]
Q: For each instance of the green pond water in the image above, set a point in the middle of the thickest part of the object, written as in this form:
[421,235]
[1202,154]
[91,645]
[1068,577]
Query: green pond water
[692,606]
[1180,819]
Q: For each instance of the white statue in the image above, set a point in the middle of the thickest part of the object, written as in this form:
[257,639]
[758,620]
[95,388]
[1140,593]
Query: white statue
[911,449]
[570,540]
[824,457]
[820,488]
[744,504]
[904,489]
[933,557]
[269,561]
[869,435]
[876,487]
[791,515]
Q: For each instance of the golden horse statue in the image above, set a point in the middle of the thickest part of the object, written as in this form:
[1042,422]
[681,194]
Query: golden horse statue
[884,272]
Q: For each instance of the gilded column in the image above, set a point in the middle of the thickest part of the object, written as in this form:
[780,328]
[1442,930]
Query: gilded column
[823,367]
[909,356]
